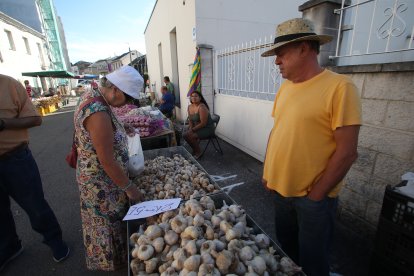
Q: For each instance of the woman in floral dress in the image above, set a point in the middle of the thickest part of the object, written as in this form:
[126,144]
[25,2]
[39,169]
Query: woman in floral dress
[102,173]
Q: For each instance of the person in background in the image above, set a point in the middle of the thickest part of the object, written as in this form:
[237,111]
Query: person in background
[94,85]
[51,92]
[311,147]
[102,174]
[200,124]
[29,89]
[169,85]
[167,102]
[20,177]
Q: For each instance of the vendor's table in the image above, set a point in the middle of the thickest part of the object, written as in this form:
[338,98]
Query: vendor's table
[218,198]
[162,139]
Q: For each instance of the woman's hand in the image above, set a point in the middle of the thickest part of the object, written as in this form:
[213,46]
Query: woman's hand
[134,194]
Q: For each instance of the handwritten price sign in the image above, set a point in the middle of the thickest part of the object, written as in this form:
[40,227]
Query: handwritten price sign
[150,208]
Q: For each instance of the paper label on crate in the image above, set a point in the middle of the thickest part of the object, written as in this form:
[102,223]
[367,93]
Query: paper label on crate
[150,208]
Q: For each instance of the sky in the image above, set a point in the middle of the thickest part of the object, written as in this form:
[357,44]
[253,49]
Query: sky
[97,29]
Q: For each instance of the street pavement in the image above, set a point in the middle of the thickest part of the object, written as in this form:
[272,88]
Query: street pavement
[236,172]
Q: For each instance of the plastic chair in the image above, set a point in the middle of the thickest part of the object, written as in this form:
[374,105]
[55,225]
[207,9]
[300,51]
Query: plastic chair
[213,138]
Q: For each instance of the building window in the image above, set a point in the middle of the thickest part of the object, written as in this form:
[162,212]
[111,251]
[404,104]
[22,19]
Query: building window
[41,57]
[26,43]
[11,42]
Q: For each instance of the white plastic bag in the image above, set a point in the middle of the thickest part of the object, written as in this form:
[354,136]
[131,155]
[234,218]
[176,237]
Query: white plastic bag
[136,156]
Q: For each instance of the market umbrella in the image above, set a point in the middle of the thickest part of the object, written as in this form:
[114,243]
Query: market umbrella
[51,74]
[195,81]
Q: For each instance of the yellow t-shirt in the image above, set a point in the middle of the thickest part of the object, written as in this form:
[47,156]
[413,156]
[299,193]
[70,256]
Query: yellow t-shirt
[14,103]
[301,143]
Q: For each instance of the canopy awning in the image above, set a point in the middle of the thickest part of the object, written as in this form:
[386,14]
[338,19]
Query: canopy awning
[51,74]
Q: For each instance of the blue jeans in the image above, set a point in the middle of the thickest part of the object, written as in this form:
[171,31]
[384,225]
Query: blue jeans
[304,229]
[20,180]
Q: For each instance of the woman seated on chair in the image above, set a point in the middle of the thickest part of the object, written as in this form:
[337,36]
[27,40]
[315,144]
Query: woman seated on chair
[201,125]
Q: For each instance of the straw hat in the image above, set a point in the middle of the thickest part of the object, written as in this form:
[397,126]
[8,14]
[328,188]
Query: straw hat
[297,29]
[128,80]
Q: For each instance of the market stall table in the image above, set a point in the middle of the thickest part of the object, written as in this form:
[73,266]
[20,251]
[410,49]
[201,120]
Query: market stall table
[154,128]
[45,105]
[227,230]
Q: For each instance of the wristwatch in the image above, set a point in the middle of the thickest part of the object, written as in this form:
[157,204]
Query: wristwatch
[2,125]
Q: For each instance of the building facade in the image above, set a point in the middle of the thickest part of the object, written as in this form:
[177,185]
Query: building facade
[21,49]
[176,28]
[124,59]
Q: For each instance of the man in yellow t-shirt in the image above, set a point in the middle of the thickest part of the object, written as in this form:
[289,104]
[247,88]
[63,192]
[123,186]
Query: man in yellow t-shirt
[312,145]
[19,176]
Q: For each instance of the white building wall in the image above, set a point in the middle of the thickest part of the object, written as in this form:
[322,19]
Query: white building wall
[14,62]
[224,23]
[218,23]
[167,16]
[244,122]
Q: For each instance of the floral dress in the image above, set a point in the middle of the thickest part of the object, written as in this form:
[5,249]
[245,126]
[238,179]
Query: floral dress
[103,204]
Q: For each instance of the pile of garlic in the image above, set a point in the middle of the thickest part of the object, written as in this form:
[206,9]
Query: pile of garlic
[199,239]
[165,177]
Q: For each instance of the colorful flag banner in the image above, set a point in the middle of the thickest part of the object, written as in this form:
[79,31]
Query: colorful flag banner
[195,81]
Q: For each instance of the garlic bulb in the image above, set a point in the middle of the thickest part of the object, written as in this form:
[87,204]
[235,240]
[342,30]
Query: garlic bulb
[171,237]
[206,258]
[208,269]
[258,265]
[239,268]
[186,272]
[192,263]
[219,245]
[236,210]
[151,265]
[136,266]
[191,232]
[270,260]
[235,245]
[178,224]
[191,247]
[198,220]
[233,233]
[224,259]
[262,241]
[143,240]
[246,254]
[209,233]
[134,238]
[170,271]
[207,214]
[165,226]
[225,226]
[179,254]
[215,220]
[145,252]
[207,247]
[153,231]
[158,244]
